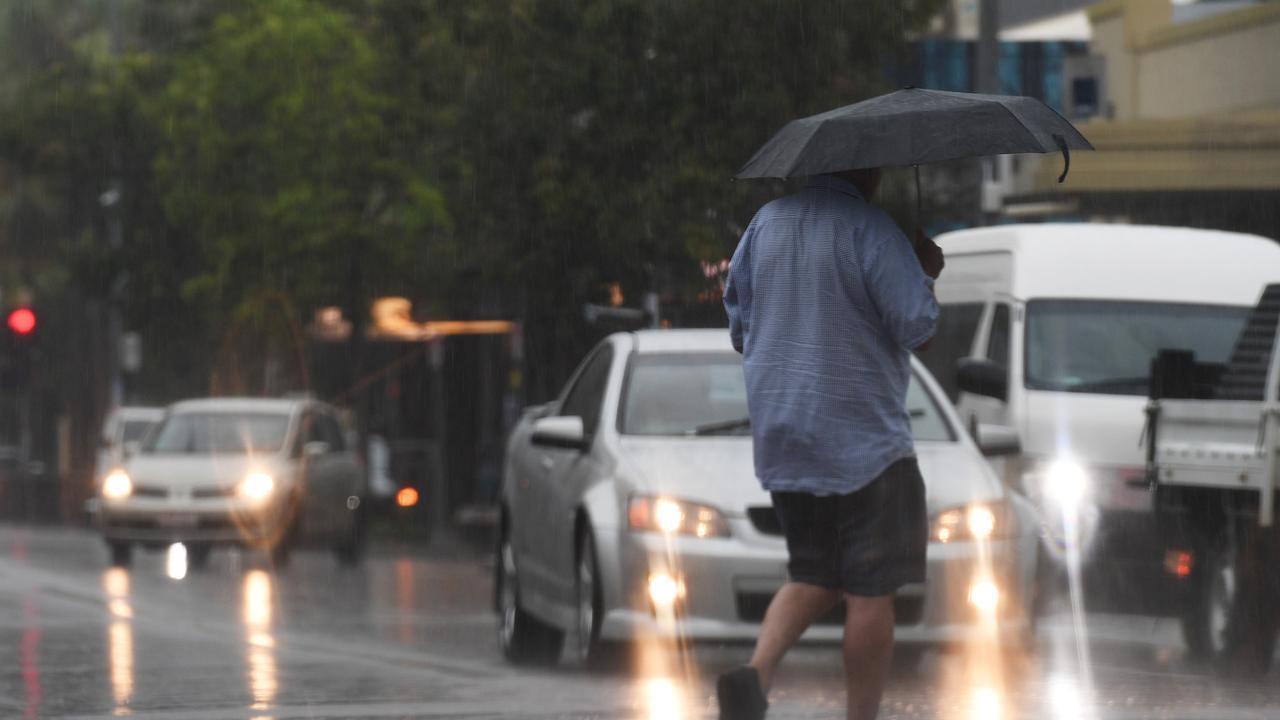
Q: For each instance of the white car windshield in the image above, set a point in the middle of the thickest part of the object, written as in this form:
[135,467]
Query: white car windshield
[706,394]
[1103,346]
[189,433]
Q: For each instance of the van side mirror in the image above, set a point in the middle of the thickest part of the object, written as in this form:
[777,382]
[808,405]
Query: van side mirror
[997,440]
[983,377]
[315,448]
[560,432]
[131,448]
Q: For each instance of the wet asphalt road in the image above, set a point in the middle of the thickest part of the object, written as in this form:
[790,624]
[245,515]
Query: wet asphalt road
[409,635]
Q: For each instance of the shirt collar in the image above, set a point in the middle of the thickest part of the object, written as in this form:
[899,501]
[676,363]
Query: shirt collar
[831,182]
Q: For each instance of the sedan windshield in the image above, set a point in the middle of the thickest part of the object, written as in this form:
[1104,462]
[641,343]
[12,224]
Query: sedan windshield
[1102,346]
[190,433]
[706,394]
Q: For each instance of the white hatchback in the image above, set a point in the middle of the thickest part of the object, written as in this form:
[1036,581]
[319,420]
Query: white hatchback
[630,509]
[256,473]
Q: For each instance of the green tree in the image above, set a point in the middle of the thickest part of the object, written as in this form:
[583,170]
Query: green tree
[598,139]
[280,159]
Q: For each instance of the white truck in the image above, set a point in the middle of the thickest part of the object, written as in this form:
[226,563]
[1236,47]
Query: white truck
[1213,458]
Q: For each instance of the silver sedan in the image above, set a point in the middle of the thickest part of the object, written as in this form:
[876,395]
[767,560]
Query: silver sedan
[630,510]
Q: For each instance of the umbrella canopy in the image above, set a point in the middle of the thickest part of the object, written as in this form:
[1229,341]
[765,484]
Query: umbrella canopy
[914,126]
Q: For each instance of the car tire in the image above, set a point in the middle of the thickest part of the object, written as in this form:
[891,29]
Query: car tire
[198,555]
[351,546]
[280,552]
[121,554]
[1230,619]
[591,651]
[524,639]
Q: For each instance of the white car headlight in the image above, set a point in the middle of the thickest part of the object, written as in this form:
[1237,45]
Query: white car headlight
[117,485]
[256,486]
[979,521]
[675,517]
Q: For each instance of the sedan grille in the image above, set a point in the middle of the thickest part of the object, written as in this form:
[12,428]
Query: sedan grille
[199,493]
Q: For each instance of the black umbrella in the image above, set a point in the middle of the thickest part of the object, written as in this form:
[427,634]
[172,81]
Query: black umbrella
[913,126]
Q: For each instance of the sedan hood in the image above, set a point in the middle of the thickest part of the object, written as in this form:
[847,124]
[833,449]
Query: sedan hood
[720,471]
[198,471]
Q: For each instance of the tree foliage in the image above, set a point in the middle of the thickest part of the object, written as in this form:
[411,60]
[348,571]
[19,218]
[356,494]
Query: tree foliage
[484,158]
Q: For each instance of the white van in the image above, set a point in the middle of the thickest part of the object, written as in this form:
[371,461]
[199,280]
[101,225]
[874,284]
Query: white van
[1045,343]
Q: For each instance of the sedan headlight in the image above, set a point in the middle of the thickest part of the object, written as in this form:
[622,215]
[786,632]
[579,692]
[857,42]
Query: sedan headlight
[675,517]
[256,486]
[979,521]
[117,485]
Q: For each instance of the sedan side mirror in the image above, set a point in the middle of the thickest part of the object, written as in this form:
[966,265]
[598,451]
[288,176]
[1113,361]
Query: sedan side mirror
[315,448]
[997,440]
[560,432]
[983,377]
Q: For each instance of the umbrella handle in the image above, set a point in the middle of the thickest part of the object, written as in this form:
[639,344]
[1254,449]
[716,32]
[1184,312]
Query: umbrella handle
[915,240]
[1066,156]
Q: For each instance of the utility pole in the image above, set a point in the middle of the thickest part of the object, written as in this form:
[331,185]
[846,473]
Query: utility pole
[987,80]
[987,63]
[112,201]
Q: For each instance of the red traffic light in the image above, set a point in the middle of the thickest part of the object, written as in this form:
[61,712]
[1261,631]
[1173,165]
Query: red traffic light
[22,321]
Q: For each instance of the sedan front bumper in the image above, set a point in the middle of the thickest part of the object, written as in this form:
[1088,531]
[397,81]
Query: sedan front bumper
[727,584]
[214,520]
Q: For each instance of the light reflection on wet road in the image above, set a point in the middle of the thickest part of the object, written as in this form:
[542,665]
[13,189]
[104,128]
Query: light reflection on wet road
[407,636]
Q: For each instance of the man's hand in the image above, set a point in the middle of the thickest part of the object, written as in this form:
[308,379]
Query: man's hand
[929,254]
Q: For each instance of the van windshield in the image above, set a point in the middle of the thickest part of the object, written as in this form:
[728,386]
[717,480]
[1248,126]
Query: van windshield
[1106,347]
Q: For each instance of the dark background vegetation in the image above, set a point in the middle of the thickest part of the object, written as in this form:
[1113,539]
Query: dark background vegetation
[219,169]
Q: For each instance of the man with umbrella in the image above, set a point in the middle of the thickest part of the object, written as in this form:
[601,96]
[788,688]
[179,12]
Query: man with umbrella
[826,299]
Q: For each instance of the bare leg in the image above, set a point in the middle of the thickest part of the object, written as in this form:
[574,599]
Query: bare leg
[868,650]
[790,613]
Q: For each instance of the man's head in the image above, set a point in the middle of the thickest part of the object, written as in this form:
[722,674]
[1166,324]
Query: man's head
[867,180]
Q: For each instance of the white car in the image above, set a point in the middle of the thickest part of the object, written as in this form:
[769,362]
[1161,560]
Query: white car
[235,471]
[630,509]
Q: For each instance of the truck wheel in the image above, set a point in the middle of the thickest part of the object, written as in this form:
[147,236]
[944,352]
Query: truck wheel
[1231,617]
[525,640]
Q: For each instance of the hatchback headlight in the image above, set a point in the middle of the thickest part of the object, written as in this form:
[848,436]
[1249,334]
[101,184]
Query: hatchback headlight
[979,521]
[675,517]
[256,486]
[117,485]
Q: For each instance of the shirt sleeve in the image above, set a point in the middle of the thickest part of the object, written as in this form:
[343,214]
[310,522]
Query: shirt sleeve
[901,292]
[737,291]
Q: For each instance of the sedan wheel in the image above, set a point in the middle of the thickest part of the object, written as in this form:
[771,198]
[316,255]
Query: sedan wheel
[591,651]
[523,638]
[121,554]
[350,547]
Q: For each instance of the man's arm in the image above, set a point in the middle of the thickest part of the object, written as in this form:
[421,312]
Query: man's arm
[737,292]
[901,291]
[932,263]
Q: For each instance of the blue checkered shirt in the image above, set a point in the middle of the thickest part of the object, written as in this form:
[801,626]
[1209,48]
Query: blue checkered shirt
[825,299]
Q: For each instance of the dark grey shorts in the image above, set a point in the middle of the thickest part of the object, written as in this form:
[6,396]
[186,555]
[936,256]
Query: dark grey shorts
[867,543]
